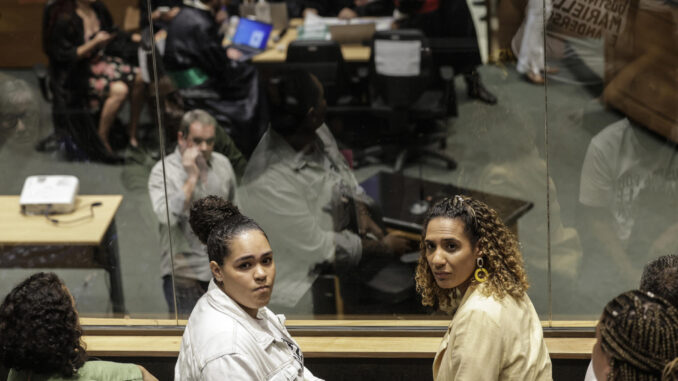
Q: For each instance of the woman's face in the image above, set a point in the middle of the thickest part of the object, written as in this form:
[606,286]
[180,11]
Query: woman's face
[449,252]
[600,359]
[248,273]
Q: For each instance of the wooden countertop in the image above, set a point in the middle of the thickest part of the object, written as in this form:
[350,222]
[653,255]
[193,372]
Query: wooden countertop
[323,345]
[19,229]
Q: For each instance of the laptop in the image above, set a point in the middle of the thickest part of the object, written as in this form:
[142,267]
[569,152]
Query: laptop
[275,13]
[251,38]
[352,33]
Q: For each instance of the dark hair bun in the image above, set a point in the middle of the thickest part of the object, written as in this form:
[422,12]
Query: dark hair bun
[208,213]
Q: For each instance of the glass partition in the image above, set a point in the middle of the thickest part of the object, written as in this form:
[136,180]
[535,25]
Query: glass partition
[612,124]
[79,156]
[560,115]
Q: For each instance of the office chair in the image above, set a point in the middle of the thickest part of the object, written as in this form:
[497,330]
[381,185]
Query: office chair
[411,94]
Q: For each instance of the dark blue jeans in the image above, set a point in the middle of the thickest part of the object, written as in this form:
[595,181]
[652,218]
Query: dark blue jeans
[188,291]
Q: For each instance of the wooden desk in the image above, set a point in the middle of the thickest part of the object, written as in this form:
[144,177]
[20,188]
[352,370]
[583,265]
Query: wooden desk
[396,194]
[35,242]
[277,52]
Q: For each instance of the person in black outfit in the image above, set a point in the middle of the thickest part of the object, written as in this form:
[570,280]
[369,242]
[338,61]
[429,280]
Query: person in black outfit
[210,77]
[449,27]
[90,72]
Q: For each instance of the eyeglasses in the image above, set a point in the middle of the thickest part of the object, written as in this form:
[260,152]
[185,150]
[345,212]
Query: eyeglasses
[199,141]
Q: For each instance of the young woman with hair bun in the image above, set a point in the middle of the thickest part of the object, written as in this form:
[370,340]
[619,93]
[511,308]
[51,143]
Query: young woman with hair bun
[230,333]
[470,266]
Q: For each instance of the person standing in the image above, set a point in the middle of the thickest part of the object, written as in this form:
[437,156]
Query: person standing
[192,171]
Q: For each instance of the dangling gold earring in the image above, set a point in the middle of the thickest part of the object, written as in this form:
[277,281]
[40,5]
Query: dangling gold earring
[481,273]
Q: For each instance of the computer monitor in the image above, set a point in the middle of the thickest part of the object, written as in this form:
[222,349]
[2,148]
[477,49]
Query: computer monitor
[252,33]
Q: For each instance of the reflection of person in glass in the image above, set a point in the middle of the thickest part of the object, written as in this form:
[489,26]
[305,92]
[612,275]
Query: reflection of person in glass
[629,198]
[301,190]
[192,171]
[470,266]
[230,333]
[18,109]
[42,339]
[636,339]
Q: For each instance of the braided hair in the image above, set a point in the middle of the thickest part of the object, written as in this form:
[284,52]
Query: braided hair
[661,278]
[486,231]
[639,331]
[216,222]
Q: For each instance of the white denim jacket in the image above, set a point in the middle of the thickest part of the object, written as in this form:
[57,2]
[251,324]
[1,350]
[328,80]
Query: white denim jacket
[222,342]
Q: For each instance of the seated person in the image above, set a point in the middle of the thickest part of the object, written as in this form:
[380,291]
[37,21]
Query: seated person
[302,191]
[230,333]
[348,9]
[42,338]
[636,338]
[449,22]
[207,75]
[87,70]
[192,171]
[470,266]
[660,277]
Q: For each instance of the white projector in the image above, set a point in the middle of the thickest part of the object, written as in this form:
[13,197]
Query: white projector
[48,194]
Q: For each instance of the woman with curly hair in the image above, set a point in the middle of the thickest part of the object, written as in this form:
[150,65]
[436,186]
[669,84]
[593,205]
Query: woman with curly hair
[636,339]
[41,337]
[470,266]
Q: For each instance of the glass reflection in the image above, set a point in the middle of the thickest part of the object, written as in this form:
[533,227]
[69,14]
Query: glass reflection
[88,121]
[617,61]
[587,163]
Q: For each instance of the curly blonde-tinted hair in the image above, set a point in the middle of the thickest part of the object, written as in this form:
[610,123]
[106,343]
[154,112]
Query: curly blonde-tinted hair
[497,245]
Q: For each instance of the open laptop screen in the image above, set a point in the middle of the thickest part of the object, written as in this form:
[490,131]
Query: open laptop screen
[252,33]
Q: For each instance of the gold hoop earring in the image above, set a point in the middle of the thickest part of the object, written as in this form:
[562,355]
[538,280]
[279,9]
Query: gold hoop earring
[481,273]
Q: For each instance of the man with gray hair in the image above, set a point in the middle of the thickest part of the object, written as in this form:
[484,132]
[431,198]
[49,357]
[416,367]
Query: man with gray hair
[191,172]
[19,112]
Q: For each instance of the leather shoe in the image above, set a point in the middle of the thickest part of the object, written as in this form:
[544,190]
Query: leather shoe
[477,90]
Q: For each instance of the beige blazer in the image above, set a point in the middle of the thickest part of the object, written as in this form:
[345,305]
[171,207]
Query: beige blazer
[493,339]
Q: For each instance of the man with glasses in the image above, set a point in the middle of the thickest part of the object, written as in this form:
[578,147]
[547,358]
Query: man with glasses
[191,172]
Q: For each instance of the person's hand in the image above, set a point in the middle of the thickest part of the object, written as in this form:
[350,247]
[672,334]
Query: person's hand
[189,161]
[146,375]
[233,54]
[366,224]
[347,14]
[102,37]
[135,37]
[360,3]
[170,15]
[310,11]
[397,243]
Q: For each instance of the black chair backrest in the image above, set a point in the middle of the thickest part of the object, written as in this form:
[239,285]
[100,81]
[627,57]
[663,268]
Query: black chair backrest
[323,59]
[404,88]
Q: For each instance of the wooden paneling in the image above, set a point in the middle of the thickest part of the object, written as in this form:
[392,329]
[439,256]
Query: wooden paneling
[321,347]
[21,30]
